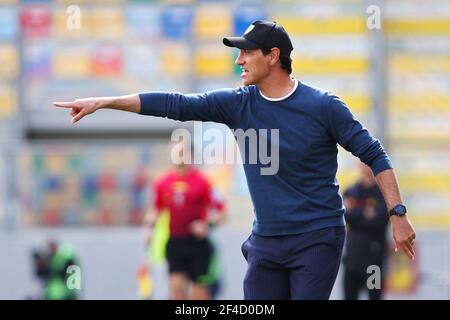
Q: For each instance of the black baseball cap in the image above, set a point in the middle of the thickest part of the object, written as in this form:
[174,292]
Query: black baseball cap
[262,34]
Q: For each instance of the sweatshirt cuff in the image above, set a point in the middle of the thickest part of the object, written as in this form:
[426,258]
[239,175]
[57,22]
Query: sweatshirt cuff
[381,164]
[153,104]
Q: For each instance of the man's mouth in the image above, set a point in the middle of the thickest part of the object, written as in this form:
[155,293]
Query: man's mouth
[244,72]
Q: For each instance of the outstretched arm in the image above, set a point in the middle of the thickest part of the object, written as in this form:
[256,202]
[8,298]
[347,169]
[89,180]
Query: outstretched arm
[402,229]
[218,105]
[83,107]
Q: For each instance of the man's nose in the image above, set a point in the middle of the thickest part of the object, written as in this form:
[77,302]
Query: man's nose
[239,61]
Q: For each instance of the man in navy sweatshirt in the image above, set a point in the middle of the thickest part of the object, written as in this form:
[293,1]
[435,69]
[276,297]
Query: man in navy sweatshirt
[295,247]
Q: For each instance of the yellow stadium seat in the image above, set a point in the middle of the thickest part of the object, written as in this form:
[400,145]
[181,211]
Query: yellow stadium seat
[175,60]
[8,100]
[319,26]
[108,22]
[417,26]
[325,65]
[60,28]
[409,63]
[213,61]
[9,62]
[71,62]
[212,21]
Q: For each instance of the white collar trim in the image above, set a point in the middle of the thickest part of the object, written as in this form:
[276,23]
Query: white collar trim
[282,98]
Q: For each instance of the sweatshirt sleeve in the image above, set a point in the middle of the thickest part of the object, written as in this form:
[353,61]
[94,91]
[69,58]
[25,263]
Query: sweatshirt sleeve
[353,137]
[217,106]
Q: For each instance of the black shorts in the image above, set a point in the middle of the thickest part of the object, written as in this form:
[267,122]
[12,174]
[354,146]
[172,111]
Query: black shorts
[189,255]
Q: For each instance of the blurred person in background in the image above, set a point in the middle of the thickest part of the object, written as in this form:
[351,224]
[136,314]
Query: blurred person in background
[186,197]
[40,263]
[52,268]
[295,247]
[367,220]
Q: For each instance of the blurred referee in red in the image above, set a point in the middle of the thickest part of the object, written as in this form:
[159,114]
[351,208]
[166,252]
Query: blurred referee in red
[188,197]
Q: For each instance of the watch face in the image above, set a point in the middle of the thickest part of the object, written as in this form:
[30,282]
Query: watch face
[400,210]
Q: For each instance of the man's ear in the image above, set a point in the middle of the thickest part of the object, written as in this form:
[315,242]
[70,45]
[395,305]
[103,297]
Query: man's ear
[274,56]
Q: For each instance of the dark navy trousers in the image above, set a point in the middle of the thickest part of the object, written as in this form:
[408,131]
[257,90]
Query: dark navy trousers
[298,267]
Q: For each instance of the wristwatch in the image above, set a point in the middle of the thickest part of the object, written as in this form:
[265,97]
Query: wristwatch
[398,210]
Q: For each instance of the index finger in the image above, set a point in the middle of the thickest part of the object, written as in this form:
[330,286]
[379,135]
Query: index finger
[408,249]
[65,104]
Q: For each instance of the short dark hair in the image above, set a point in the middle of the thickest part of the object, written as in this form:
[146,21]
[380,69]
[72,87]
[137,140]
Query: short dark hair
[286,61]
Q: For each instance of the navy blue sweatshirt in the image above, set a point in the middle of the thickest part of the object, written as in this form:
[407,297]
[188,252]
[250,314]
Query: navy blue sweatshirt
[303,195]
